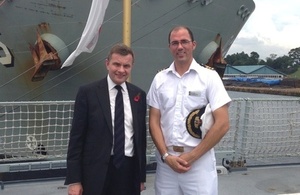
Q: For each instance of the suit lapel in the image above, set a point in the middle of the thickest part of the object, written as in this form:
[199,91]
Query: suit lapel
[103,98]
[132,93]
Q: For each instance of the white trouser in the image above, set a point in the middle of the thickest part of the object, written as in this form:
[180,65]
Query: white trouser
[201,179]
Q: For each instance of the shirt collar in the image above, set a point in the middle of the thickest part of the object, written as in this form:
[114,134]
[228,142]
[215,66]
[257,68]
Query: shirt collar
[194,65]
[112,85]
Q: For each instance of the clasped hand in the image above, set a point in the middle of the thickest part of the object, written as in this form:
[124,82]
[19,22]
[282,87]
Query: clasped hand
[179,164]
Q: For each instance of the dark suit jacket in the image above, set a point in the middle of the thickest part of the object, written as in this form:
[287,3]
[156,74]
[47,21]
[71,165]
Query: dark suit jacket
[91,136]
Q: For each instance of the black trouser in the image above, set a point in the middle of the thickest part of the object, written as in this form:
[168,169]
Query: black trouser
[120,181]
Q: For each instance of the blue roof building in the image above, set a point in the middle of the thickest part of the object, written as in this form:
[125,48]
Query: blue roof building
[252,71]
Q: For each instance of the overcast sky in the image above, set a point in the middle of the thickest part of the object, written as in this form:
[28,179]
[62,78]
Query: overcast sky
[273,28]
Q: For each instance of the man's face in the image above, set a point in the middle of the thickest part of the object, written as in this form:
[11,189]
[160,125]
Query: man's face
[181,46]
[119,67]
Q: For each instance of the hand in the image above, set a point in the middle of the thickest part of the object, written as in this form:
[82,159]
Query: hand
[143,187]
[75,189]
[188,157]
[178,164]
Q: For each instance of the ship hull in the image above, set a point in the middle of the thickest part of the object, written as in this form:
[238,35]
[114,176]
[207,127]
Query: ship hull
[150,25]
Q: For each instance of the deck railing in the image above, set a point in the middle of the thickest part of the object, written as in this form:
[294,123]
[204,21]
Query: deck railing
[261,130]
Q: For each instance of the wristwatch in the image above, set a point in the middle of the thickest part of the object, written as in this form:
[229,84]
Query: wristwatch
[163,157]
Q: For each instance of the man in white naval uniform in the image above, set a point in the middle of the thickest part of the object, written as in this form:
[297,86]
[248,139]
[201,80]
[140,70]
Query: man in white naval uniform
[185,164]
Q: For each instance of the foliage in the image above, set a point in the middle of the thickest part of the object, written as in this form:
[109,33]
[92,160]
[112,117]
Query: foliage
[242,59]
[295,74]
[284,64]
[288,63]
[294,54]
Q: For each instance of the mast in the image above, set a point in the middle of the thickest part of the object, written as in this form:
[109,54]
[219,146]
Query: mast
[127,25]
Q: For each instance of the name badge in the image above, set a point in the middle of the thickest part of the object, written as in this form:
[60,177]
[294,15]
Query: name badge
[194,93]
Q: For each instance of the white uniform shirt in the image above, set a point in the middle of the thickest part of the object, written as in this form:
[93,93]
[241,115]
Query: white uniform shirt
[176,96]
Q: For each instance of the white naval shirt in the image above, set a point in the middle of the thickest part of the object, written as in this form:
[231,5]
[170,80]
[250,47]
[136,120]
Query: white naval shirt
[176,96]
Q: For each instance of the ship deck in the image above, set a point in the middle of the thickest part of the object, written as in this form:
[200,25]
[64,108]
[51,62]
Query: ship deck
[266,180]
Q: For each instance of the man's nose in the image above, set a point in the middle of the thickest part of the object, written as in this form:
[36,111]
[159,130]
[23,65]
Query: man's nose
[121,69]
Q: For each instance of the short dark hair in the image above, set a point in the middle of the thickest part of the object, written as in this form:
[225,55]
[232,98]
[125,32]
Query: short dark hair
[122,49]
[176,28]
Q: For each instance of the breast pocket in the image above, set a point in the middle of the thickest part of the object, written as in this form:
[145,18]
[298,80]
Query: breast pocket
[168,98]
[194,100]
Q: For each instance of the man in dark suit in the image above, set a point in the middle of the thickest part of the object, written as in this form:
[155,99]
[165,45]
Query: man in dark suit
[91,169]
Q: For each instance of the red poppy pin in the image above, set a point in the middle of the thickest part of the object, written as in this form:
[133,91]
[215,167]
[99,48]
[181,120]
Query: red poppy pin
[137,97]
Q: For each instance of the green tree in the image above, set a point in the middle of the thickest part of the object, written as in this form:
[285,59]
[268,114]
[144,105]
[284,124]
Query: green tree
[287,64]
[284,64]
[238,59]
[270,60]
[294,54]
[254,58]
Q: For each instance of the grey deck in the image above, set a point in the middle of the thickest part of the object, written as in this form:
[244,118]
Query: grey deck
[253,181]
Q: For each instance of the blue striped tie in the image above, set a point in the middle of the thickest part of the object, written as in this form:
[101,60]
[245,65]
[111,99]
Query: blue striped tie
[119,134]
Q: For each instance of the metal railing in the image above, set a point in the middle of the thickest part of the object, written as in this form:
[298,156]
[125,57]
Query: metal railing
[34,135]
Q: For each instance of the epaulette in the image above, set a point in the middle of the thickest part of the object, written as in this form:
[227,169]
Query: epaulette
[206,66]
[162,69]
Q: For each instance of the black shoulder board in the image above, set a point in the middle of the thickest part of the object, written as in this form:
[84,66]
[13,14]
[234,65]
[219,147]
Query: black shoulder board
[162,69]
[206,66]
